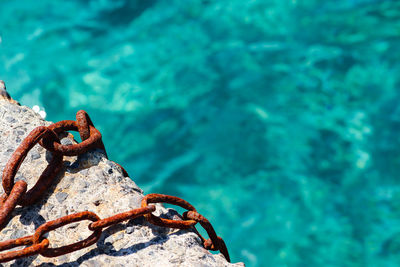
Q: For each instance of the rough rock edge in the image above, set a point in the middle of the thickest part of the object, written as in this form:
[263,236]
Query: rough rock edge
[5,95]
[90,182]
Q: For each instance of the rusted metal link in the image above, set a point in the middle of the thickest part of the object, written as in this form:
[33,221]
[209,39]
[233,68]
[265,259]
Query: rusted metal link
[214,242]
[3,198]
[47,176]
[10,203]
[222,248]
[44,182]
[52,225]
[72,150]
[13,164]
[192,215]
[121,217]
[12,243]
[157,198]
[83,122]
[29,251]
[208,244]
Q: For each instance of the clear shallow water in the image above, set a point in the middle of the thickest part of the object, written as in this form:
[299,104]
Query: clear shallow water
[279,120]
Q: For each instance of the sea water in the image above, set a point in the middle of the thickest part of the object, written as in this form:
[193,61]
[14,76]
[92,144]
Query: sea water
[279,120]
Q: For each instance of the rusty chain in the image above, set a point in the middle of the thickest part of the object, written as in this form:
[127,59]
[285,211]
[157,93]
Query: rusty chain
[15,193]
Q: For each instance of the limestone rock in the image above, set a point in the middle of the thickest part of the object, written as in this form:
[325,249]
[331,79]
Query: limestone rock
[93,183]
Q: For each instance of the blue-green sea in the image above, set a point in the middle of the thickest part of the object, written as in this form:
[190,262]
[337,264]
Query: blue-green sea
[279,120]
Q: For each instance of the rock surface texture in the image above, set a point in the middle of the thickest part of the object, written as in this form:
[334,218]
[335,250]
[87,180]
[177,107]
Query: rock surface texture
[90,182]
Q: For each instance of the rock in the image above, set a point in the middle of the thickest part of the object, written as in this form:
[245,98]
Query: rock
[90,182]
[4,94]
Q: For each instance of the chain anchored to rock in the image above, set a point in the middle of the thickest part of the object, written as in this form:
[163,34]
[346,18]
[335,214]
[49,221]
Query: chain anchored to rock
[15,193]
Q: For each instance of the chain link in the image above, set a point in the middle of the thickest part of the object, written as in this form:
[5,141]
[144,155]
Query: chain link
[52,225]
[156,198]
[11,201]
[47,176]
[16,194]
[214,242]
[71,150]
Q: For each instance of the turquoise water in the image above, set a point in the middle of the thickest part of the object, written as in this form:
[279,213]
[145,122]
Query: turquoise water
[279,120]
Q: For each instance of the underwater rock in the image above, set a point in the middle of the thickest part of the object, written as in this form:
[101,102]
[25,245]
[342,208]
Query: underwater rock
[90,182]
